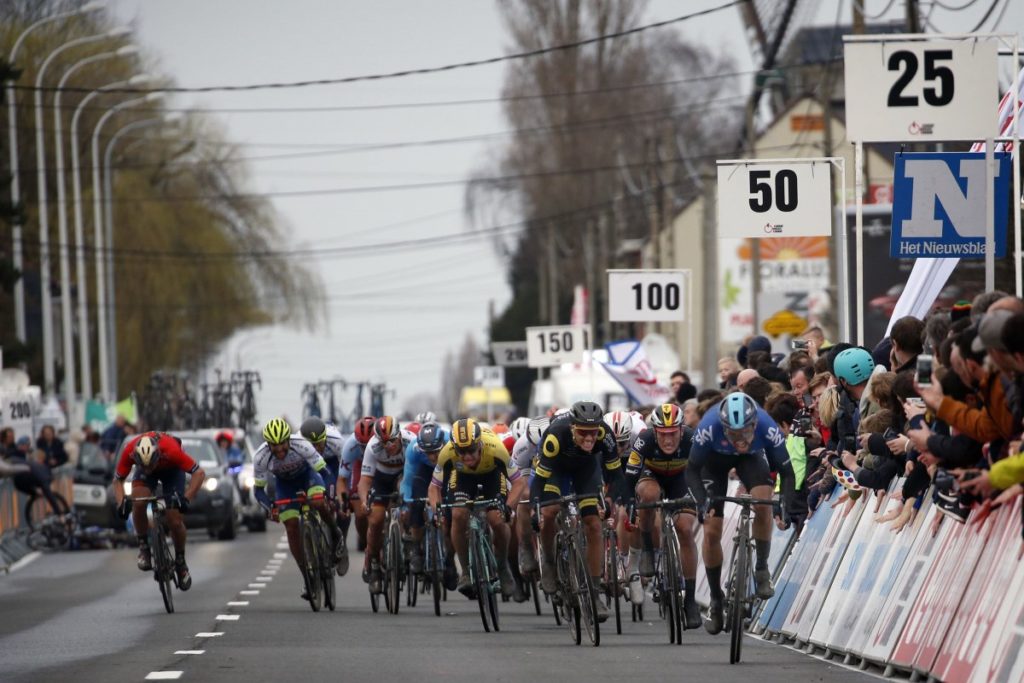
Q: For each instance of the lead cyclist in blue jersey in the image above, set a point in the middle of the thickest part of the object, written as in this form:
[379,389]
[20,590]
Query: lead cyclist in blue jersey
[736,433]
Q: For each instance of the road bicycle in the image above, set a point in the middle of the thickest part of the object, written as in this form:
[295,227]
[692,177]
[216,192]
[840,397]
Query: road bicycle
[163,562]
[575,597]
[434,558]
[317,553]
[739,594]
[669,586]
[614,582]
[483,565]
[393,562]
[48,527]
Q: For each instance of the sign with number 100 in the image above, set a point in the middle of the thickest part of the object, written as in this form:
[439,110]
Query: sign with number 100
[774,198]
[920,90]
[646,295]
[556,344]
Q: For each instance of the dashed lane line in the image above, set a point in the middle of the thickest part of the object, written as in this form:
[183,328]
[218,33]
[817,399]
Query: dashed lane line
[238,603]
[189,652]
[248,592]
[257,585]
[209,634]
[228,617]
[163,675]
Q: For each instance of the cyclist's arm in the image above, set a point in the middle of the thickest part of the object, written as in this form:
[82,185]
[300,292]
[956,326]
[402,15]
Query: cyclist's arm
[412,464]
[549,450]
[259,475]
[613,475]
[438,478]
[198,477]
[699,454]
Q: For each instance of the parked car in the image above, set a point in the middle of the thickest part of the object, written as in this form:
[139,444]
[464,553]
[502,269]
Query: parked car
[93,496]
[217,507]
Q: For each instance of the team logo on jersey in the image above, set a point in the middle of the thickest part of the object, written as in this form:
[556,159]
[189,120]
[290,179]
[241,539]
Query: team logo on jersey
[776,436]
[703,435]
[550,447]
[638,444]
[634,459]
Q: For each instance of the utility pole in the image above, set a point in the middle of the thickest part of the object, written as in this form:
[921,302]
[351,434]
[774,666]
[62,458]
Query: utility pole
[552,275]
[913,16]
[709,281]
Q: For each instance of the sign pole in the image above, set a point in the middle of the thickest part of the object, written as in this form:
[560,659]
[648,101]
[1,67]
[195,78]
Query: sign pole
[844,251]
[990,221]
[1016,203]
[689,323]
[858,190]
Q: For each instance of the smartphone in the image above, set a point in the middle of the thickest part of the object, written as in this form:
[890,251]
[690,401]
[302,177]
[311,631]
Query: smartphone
[924,370]
[890,434]
[799,344]
[805,424]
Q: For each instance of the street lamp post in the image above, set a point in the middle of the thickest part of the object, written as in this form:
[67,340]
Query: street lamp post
[62,230]
[101,299]
[12,137]
[44,220]
[76,186]
[108,194]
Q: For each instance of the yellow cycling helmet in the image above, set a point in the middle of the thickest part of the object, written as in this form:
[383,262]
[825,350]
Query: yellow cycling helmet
[466,434]
[277,431]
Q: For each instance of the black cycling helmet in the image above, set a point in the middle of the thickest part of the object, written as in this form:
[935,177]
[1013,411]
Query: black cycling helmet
[314,430]
[587,414]
[431,438]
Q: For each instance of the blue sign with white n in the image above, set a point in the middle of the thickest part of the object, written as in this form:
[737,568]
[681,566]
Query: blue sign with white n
[938,208]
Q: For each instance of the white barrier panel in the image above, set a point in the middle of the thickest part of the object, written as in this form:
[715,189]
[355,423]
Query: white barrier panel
[908,585]
[776,561]
[823,569]
[827,632]
[973,623]
[941,593]
[889,573]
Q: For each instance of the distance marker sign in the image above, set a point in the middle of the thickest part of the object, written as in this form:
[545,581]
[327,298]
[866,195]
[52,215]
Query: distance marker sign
[553,345]
[646,295]
[774,198]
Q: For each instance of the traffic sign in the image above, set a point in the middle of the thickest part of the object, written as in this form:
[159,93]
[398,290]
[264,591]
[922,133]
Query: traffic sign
[645,295]
[491,376]
[774,198]
[920,90]
[509,354]
[553,345]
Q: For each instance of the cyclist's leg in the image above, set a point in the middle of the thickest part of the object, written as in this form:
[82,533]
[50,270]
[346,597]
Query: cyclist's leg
[142,489]
[754,473]
[647,491]
[496,486]
[718,475]
[589,482]
[675,487]
[286,489]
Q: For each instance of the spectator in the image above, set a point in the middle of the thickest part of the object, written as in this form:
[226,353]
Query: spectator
[816,342]
[113,435]
[7,447]
[906,337]
[961,311]
[786,411]
[690,415]
[54,454]
[800,381]
[745,376]
[758,389]
[682,389]
[38,476]
[232,454]
[980,304]
[726,367]
[676,380]
[936,329]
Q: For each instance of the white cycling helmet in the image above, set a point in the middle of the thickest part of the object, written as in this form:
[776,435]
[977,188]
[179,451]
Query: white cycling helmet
[536,428]
[518,426]
[425,417]
[621,423]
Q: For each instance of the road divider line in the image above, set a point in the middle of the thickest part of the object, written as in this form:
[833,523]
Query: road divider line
[163,675]
[280,556]
[189,652]
[248,592]
[238,603]
[257,585]
[228,617]
[209,634]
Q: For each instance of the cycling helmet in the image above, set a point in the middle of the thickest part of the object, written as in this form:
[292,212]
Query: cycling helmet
[587,414]
[386,428]
[314,430]
[425,417]
[854,366]
[277,431]
[500,428]
[225,435]
[668,416]
[621,424]
[431,437]
[536,429]
[146,453]
[519,426]
[466,435]
[737,411]
[364,429]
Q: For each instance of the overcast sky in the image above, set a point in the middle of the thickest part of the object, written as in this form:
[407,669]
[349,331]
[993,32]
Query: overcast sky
[414,305]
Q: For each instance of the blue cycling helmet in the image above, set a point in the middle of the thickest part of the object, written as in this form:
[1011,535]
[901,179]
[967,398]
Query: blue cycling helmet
[854,366]
[738,411]
[432,437]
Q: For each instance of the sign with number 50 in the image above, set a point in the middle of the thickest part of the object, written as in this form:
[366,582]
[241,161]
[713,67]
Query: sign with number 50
[774,198]
[920,90]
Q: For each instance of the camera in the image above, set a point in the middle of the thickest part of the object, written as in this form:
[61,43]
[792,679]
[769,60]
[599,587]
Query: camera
[848,443]
[924,370]
[802,423]
[799,344]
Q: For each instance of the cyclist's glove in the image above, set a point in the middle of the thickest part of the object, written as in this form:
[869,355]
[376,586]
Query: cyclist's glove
[124,510]
[180,502]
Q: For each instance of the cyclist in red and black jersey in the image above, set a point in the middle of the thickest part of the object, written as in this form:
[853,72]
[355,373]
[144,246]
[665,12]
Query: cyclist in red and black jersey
[158,459]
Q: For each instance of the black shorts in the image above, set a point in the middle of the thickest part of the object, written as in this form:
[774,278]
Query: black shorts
[173,481]
[583,480]
[463,486]
[383,486]
[752,469]
[672,486]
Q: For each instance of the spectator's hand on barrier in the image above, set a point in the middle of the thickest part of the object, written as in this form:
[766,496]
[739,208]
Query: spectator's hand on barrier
[919,438]
[974,481]
[913,409]
[932,395]
[843,497]
[898,445]
[908,468]
[124,509]
[1008,495]
[781,525]
[928,459]
[849,460]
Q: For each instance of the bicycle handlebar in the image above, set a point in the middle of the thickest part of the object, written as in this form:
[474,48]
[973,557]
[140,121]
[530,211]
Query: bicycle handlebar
[744,500]
[665,503]
[564,500]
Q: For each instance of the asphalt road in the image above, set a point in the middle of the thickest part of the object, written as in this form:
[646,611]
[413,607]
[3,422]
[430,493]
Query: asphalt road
[92,616]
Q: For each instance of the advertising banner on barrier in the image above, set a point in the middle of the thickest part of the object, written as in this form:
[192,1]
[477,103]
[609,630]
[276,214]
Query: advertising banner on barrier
[793,575]
[987,590]
[1000,656]
[823,569]
[940,594]
[872,603]
[847,574]
[702,593]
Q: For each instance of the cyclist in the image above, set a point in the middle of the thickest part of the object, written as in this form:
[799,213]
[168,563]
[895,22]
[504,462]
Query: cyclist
[574,448]
[475,458]
[383,463]
[657,467]
[328,442]
[297,468]
[736,433]
[348,475]
[158,459]
[524,456]
[625,428]
[420,459]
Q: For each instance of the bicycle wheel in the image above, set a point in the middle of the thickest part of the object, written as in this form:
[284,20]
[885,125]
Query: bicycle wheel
[163,571]
[534,591]
[491,573]
[310,563]
[477,573]
[670,596]
[583,596]
[393,571]
[433,564]
[374,602]
[326,555]
[738,599]
[611,574]
[47,527]
[411,588]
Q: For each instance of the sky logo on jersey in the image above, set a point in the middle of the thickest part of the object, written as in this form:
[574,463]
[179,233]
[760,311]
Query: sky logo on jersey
[775,436]
[702,436]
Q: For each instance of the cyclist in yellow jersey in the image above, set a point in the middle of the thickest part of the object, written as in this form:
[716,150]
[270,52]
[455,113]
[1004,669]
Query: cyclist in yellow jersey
[475,458]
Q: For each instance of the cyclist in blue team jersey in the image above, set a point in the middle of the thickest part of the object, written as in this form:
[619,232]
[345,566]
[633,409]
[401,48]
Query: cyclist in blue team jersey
[737,434]
[328,442]
[349,472]
[420,460]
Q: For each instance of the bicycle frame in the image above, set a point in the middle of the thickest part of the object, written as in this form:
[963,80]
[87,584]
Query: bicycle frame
[317,565]
[163,564]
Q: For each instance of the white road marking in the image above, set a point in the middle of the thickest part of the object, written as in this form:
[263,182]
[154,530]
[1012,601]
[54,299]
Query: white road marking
[248,592]
[257,585]
[238,603]
[163,675]
[265,579]
[282,546]
[228,617]
[189,652]
[209,634]
[25,561]
[280,556]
